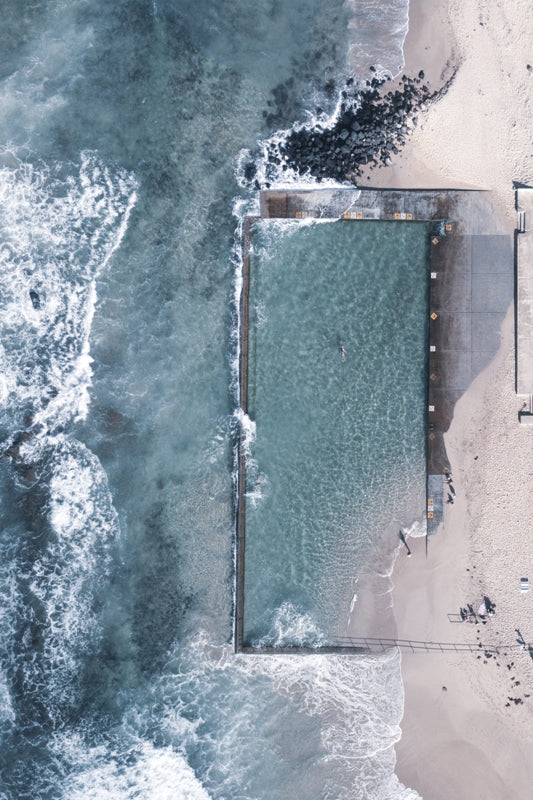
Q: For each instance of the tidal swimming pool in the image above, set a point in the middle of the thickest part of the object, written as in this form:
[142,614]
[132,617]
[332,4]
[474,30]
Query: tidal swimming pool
[336,387]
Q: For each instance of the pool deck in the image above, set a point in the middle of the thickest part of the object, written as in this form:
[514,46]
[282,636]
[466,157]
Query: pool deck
[471,282]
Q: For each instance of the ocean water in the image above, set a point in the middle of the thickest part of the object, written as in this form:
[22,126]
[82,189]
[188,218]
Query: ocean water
[121,137]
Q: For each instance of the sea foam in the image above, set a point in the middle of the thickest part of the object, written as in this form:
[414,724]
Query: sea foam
[60,229]
[355,703]
[72,570]
[136,768]
[59,233]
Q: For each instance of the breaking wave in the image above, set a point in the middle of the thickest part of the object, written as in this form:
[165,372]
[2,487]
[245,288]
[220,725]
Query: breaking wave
[59,231]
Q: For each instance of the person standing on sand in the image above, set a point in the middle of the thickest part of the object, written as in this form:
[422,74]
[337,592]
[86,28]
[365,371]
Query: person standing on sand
[403,539]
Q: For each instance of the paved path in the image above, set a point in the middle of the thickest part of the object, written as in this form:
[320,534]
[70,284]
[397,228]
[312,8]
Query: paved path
[524,305]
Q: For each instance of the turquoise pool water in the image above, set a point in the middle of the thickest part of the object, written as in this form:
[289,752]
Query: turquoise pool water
[338,461]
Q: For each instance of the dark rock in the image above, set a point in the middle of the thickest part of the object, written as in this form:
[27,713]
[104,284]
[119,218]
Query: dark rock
[35,299]
[29,475]
[346,120]
[371,125]
[250,171]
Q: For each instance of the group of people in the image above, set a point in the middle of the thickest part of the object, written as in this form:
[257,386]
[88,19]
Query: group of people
[486,609]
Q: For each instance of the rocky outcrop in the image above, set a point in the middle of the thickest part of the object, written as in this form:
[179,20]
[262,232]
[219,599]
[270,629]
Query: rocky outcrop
[370,129]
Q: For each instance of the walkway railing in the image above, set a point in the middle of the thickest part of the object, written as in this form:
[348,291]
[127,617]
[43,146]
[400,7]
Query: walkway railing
[367,645]
[380,645]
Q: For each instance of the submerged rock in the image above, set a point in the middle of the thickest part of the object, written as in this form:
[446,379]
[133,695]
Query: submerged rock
[35,299]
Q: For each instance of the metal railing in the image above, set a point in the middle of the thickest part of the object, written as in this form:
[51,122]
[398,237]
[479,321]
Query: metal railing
[365,645]
[414,645]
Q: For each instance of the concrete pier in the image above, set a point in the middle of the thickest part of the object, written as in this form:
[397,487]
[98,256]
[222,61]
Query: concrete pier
[374,646]
[470,287]
[243,391]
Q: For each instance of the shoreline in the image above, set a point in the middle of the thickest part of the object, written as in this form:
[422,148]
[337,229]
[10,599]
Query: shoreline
[467,739]
[436,56]
[467,728]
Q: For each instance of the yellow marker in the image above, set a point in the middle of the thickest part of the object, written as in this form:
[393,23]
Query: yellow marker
[434,316]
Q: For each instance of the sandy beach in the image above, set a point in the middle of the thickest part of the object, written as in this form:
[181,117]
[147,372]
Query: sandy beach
[467,730]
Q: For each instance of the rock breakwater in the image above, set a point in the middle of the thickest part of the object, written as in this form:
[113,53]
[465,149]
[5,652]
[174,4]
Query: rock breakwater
[369,130]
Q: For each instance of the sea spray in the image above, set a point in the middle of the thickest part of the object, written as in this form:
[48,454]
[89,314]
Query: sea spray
[60,231]
[69,577]
[290,627]
[160,773]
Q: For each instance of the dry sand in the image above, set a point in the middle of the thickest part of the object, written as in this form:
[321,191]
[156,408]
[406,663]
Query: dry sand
[479,134]
[464,736]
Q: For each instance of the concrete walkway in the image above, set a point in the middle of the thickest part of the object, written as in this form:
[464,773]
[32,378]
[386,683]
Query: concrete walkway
[524,297]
